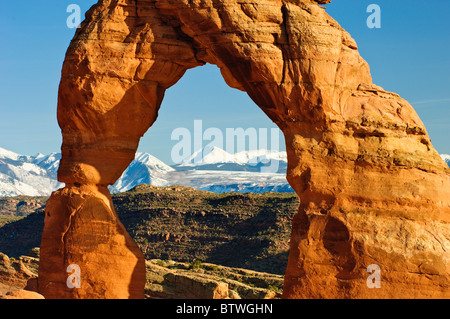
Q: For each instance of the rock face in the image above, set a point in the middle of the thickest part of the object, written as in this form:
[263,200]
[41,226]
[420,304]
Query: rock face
[21,294]
[373,190]
[82,233]
[166,279]
[18,275]
[175,280]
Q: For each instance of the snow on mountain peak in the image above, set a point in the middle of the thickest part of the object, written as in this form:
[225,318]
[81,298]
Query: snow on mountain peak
[151,161]
[8,154]
[261,155]
[209,155]
[215,155]
[23,175]
[37,175]
[446,158]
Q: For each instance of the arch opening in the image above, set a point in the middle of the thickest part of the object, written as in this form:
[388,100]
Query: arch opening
[204,125]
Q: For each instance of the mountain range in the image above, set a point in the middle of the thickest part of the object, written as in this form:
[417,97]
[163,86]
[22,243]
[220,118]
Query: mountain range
[211,169]
[446,158]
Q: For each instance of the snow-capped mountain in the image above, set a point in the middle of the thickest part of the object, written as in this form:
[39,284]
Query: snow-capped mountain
[216,155]
[209,155]
[446,158]
[27,175]
[221,181]
[144,169]
[48,162]
[215,158]
[211,169]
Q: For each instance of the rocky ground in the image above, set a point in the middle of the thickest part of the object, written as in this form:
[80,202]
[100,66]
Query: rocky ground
[165,279]
[197,244]
[175,280]
[183,224]
[19,274]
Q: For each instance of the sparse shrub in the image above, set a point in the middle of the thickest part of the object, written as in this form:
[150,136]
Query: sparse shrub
[196,265]
[274,288]
[212,268]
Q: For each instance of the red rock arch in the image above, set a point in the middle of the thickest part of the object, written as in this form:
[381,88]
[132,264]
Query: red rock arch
[372,187]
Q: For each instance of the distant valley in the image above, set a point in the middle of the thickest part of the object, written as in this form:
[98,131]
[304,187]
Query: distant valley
[249,231]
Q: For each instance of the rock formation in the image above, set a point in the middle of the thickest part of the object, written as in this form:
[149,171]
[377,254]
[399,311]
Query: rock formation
[165,279]
[373,190]
[175,280]
[21,294]
[17,277]
[14,272]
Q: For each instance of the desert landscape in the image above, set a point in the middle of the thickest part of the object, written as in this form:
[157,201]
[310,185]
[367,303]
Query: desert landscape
[365,191]
[188,237]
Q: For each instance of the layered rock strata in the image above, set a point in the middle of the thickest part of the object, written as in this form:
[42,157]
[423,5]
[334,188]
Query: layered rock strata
[373,190]
[175,280]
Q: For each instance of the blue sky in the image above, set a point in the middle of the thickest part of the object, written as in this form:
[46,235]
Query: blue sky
[409,55]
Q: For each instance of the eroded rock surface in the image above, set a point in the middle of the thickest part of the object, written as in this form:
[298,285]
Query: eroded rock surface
[166,279]
[177,280]
[373,190]
[17,277]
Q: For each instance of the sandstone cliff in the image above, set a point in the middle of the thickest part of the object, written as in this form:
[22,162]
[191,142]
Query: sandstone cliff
[373,190]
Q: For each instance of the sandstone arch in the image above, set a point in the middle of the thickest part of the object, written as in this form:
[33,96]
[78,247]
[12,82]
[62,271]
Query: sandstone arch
[372,187]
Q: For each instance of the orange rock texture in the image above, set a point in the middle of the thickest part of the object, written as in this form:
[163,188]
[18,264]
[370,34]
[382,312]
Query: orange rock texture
[373,190]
